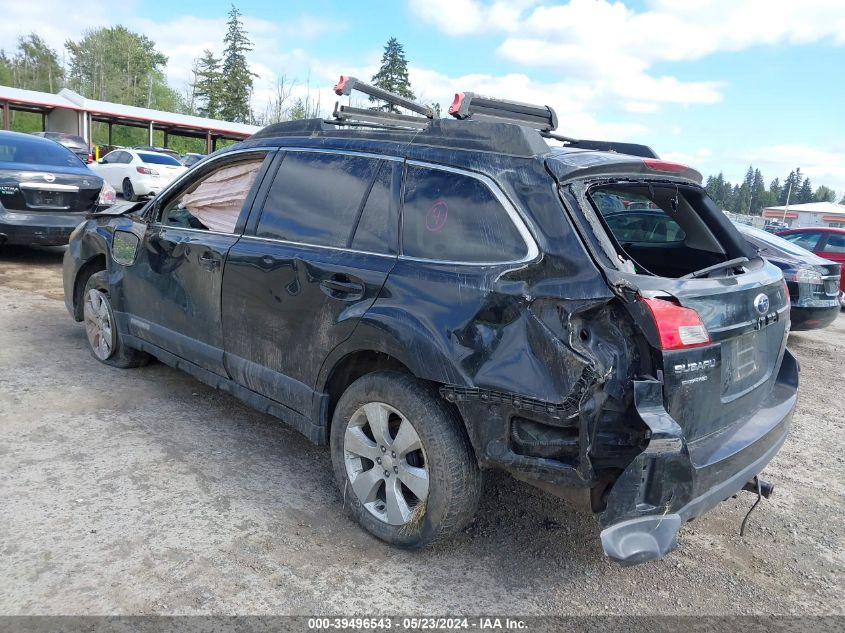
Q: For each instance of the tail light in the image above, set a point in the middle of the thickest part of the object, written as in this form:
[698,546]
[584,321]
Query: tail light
[146,171]
[678,327]
[90,158]
[108,196]
[663,165]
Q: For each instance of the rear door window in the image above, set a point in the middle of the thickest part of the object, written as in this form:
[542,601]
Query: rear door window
[448,216]
[315,198]
[807,240]
[835,243]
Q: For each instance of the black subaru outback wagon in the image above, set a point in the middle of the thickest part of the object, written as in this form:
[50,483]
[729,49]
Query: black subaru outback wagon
[434,299]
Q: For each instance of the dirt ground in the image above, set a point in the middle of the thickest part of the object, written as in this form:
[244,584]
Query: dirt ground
[143,491]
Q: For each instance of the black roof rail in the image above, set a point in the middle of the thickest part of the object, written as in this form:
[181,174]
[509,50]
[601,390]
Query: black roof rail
[468,105]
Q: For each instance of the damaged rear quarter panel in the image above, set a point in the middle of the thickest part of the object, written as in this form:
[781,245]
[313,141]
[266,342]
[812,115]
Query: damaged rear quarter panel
[542,342]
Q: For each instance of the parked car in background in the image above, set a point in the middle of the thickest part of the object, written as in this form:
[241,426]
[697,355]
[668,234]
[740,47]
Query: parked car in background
[160,150]
[76,144]
[773,226]
[813,282]
[45,190]
[190,159]
[432,302]
[137,173]
[825,241]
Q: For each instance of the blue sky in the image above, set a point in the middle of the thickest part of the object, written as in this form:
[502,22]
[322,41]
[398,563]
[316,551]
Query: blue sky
[717,84]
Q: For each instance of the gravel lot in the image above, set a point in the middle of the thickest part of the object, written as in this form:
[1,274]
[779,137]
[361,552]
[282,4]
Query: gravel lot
[143,491]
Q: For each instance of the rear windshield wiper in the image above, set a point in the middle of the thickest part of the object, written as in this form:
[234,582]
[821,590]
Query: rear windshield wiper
[731,263]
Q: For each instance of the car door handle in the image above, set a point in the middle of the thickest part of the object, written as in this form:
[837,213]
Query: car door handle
[210,261]
[342,289]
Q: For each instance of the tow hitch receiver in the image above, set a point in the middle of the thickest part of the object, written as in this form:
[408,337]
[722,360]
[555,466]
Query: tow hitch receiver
[762,489]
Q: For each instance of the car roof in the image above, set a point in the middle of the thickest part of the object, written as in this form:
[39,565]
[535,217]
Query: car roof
[451,142]
[20,136]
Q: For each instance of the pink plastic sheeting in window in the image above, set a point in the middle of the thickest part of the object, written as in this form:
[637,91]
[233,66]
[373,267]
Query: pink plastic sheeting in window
[217,200]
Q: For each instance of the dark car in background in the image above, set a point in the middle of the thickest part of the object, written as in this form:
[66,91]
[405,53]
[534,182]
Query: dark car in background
[190,159]
[813,282]
[76,144]
[825,241]
[45,191]
[448,296]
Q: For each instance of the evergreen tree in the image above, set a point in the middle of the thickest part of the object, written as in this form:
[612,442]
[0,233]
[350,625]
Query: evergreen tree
[393,73]
[824,194]
[774,192]
[744,202]
[208,85]
[790,188]
[237,77]
[297,112]
[759,197]
[805,193]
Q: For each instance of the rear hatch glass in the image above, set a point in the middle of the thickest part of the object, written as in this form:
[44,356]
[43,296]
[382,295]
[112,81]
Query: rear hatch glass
[670,242]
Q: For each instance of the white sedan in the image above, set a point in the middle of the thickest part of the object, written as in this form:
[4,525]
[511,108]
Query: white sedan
[137,173]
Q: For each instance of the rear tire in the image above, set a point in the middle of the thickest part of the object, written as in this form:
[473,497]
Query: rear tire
[403,461]
[129,191]
[104,340]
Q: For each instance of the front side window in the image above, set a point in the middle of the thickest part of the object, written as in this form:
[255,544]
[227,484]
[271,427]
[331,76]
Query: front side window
[215,201]
[804,240]
[315,198]
[448,216]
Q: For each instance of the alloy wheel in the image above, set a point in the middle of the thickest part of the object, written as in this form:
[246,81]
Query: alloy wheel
[386,464]
[98,324]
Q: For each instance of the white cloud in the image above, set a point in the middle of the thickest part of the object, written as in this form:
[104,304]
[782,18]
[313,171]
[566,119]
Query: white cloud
[181,39]
[614,47]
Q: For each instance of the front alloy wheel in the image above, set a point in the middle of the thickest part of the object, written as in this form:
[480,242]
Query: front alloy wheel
[98,324]
[385,463]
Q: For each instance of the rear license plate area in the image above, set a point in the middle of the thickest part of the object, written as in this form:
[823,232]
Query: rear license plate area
[744,361]
[48,199]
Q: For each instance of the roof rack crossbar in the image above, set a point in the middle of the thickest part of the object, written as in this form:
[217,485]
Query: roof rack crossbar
[348,114]
[468,105]
[347,84]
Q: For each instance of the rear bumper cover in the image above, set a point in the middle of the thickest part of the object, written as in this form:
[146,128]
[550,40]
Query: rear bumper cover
[44,228]
[813,318]
[672,482]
